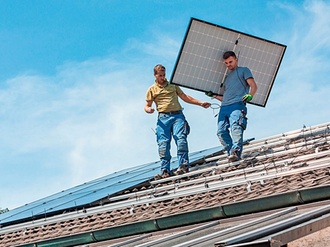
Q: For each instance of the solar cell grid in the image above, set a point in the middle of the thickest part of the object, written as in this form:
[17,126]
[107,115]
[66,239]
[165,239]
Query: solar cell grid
[199,65]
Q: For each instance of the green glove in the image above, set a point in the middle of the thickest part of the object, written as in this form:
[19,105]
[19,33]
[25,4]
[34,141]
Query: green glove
[210,94]
[247,97]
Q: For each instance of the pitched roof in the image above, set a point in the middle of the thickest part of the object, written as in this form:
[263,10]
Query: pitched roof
[284,177]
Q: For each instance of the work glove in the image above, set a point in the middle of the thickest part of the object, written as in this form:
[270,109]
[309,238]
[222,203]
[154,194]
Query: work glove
[247,97]
[210,94]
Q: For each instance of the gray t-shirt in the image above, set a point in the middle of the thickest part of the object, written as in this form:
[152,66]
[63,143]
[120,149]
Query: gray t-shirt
[235,85]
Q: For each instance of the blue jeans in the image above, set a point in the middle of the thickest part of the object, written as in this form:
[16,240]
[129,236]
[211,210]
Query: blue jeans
[232,122]
[167,126]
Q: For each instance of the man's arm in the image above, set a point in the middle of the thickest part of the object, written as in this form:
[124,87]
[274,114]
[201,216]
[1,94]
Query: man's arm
[253,86]
[218,97]
[253,89]
[190,100]
[148,107]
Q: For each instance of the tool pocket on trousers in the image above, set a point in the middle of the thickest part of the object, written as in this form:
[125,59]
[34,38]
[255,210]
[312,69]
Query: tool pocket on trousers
[186,129]
[242,121]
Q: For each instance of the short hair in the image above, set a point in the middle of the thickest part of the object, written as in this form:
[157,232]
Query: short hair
[159,67]
[228,54]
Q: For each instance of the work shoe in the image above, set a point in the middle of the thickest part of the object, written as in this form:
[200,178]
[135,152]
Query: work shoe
[233,156]
[164,174]
[181,170]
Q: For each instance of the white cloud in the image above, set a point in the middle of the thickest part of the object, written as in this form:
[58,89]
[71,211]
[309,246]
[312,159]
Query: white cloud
[301,89]
[85,121]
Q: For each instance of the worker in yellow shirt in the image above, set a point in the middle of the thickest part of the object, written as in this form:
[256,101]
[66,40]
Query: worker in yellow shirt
[171,120]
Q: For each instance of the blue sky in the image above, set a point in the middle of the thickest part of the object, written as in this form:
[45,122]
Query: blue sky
[74,76]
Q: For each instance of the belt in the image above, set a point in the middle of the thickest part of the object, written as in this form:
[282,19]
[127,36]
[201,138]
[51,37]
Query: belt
[170,113]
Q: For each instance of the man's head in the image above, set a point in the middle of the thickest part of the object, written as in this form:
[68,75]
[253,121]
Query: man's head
[159,73]
[230,60]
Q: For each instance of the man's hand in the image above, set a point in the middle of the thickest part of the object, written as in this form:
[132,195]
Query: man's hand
[247,97]
[205,104]
[210,94]
[149,109]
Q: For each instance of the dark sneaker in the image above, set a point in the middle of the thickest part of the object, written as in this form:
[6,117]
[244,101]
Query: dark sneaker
[164,174]
[181,170]
[233,156]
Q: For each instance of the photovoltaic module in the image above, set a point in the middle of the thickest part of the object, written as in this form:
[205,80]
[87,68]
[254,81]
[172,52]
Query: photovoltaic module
[200,65]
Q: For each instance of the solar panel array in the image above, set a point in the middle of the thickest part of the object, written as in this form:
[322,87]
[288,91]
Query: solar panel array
[92,191]
[199,65]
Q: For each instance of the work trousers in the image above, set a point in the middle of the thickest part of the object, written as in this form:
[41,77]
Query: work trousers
[232,122]
[175,125]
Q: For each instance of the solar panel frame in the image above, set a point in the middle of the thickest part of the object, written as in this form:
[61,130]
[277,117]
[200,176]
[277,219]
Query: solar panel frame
[199,64]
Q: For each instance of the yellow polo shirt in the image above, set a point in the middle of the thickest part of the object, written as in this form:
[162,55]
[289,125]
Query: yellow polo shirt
[166,98]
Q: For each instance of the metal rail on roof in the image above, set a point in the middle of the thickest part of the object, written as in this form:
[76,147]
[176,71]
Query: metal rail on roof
[278,139]
[225,180]
[275,227]
[271,168]
[257,243]
[313,130]
[299,231]
[237,182]
[130,241]
[267,147]
[201,188]
[177,235]
[236,228]
[274,155]
[295,133]
[266,144]
[263,169]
